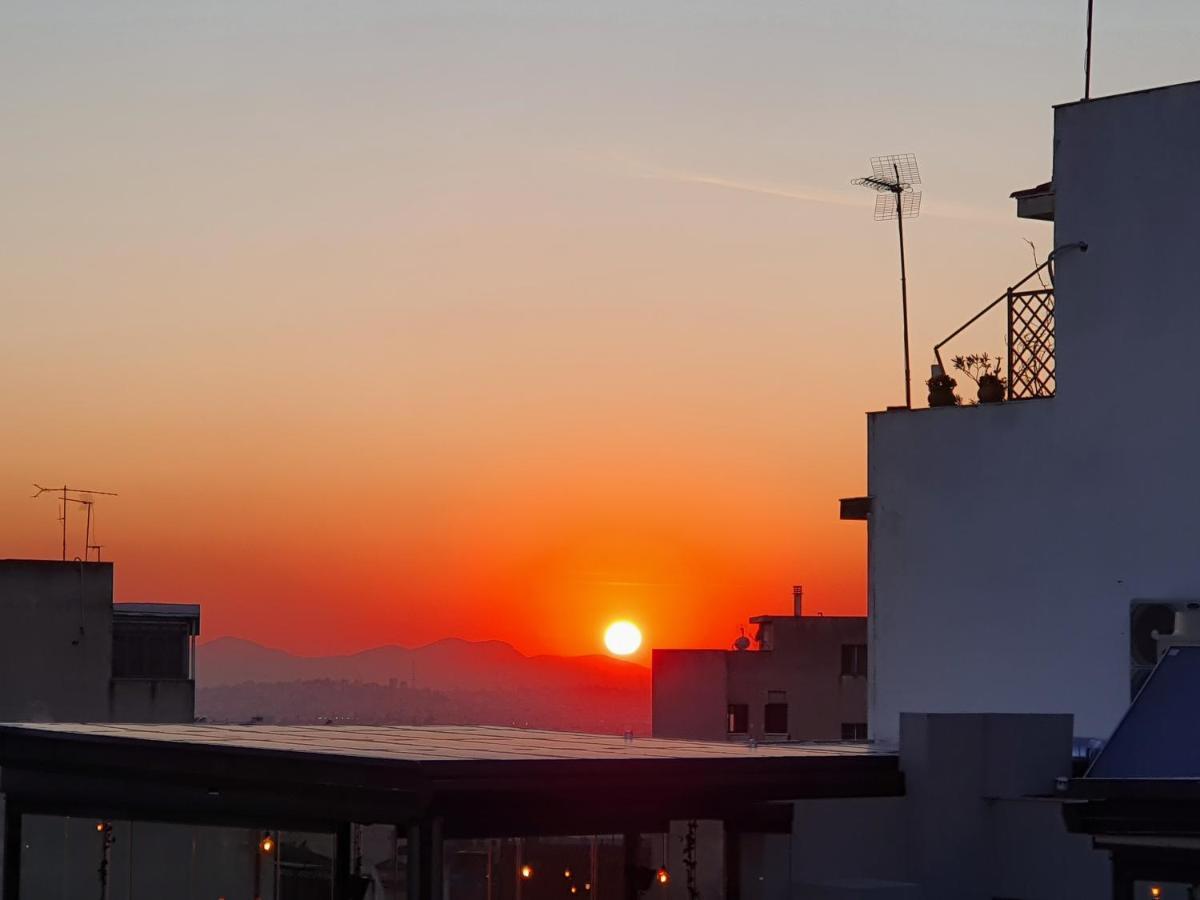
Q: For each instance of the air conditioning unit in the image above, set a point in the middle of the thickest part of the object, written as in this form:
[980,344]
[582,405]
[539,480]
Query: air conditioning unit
[1154,627]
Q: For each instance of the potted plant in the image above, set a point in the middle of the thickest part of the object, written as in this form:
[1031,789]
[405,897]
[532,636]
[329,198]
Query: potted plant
[984,370]
[941,390]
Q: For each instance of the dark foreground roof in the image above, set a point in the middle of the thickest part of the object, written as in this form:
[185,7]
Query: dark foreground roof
[1146,780]
[481,781]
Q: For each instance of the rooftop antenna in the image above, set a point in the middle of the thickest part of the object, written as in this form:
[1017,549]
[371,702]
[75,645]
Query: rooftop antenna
[896,175]
[83,498]
[1087,56]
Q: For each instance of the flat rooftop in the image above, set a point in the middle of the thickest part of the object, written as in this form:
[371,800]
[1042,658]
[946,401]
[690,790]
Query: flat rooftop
[480,781]
[445,743]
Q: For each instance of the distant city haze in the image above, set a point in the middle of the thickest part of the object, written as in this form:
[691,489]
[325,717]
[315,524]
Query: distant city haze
[397,321]
[449,682]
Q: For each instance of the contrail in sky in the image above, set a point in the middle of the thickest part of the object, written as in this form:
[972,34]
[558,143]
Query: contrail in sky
[941,210]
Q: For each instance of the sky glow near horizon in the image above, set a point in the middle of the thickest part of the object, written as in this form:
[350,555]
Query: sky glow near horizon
[391,321]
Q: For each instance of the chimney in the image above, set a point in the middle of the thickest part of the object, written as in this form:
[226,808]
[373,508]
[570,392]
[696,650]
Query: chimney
[797,600]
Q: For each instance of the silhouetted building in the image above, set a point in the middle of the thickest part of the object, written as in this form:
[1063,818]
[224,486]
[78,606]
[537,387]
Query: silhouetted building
[1022,553]
[801,678]
[69,654]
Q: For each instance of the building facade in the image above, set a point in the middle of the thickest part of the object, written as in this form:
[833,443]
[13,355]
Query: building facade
[69,654]
[1013,546]
[801,678]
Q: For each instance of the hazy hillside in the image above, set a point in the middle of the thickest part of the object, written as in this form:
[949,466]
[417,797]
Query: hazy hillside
[451,681]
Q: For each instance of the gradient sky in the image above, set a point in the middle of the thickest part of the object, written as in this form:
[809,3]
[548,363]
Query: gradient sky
[398,320]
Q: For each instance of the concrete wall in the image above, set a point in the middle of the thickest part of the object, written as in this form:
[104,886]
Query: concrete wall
[689,694]
[807,664]
[55,640]
[151,700]
[1007,543]
[693,688]
[979,820]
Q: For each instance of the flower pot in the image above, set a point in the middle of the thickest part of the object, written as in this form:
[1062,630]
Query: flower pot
[942,396]
[991,389]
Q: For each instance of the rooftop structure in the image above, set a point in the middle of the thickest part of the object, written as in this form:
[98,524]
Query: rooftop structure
[68,653]
[436,783]
[799,678]
[1017,542]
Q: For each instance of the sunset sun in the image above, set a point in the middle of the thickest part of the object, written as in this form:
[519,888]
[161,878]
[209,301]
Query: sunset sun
[622,638]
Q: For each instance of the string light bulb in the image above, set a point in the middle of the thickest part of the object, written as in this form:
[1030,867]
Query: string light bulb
[663,876]
[267,844]
[527,871]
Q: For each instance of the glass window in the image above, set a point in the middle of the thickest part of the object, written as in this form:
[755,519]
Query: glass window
[775,717]
[739,718]
[854,660]
[854,731]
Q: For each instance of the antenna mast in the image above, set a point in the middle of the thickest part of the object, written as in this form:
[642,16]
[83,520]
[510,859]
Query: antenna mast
[1087,56]
[896,175]
[83,498]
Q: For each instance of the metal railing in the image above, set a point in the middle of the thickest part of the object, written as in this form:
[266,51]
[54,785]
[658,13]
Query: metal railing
[1030,332]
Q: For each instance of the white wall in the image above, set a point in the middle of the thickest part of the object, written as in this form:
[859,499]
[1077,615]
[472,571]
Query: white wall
[1007,542]
[979,820]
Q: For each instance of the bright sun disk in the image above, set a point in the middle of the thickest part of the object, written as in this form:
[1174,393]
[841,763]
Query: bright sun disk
[622,638]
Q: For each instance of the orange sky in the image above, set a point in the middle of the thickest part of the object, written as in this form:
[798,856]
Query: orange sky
[499,322]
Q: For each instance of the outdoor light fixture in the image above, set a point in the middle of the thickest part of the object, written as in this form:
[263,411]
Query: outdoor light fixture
[526,871]
[267,844]
[1155,891]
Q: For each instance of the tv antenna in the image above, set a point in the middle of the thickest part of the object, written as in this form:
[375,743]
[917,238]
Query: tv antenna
[896,175]
[1087,56]
[68,495]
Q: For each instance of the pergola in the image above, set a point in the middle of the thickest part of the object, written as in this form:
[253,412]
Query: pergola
[434,782]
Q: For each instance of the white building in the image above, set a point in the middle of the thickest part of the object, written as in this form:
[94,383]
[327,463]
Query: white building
[1009,544]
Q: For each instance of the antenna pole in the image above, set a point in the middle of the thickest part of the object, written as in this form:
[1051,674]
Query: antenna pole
[1087,56]
[64,490]
[903,293]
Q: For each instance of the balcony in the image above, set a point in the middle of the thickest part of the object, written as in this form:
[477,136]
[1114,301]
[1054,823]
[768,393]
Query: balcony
[1028,363]
[153,662]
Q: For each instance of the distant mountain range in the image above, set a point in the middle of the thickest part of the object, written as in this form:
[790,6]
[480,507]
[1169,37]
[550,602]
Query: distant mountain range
[451,681]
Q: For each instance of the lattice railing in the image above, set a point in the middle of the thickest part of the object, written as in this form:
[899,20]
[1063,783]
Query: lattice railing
[1030,335]
[1030,344]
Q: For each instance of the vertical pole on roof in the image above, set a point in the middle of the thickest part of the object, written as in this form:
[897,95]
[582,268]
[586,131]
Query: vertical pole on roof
[12,851]
[903,291]
[1009,338]
[341,862]
[1087,57]
[630,844]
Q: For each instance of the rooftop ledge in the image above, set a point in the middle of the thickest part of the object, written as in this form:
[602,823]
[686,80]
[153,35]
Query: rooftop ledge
[901,410]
